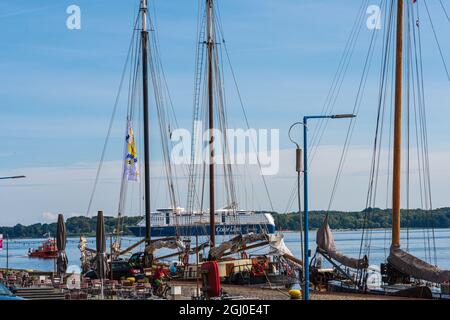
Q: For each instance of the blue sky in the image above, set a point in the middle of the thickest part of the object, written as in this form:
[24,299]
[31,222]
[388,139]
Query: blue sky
[57,86]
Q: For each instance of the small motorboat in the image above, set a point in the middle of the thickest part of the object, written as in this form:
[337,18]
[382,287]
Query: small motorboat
[47,250]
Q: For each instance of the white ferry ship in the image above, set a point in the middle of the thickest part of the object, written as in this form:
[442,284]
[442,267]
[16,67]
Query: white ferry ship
[170,222]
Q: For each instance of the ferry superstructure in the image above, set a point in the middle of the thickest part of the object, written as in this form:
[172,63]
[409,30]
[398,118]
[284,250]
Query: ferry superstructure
[170,222]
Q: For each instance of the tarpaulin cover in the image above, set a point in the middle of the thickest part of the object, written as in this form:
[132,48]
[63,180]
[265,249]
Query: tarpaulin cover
[419,269]
[236,244]
[61,239]
[325,241]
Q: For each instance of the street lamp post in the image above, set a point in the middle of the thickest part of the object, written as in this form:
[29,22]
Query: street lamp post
[305,192]
[13,177]
[299,170]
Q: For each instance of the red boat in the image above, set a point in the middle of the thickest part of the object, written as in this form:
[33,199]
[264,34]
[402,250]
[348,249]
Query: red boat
[47,250]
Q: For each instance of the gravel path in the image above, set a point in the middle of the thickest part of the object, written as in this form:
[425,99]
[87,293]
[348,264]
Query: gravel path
[188,290]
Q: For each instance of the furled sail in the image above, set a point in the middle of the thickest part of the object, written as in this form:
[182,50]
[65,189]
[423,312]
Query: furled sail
[419,269]
[279,248]
[325,242]
[169,244]
[236,244]
[277,245]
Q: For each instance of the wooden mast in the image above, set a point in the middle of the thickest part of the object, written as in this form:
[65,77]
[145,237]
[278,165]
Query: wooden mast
[144,45]
[397,129]
[210,44]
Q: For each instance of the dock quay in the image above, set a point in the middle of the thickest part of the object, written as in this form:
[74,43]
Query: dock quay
[41,293]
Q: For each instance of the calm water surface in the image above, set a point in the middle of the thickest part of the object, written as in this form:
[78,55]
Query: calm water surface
[347,242]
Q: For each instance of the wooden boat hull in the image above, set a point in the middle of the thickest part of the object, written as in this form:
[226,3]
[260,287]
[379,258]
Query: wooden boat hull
[413,292]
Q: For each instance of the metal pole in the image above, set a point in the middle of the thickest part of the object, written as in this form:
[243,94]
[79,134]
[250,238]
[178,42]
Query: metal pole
[397,130]
[13,177]
[305,199]
[299,168]
[196,258]
[305,193]
[210,43]
[54,262]
[7,254]
[111,255]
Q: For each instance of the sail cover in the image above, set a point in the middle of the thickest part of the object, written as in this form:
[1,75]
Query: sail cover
[277,245]
[325,242]
[61,239]
[236,244]
[101,261]
[419,269]
[169,244]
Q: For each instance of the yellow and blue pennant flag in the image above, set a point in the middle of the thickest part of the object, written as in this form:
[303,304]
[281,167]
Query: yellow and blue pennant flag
[131,161]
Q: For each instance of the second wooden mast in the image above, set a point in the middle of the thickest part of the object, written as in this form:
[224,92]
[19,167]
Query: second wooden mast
[210,44]
[144,45]
[396,187]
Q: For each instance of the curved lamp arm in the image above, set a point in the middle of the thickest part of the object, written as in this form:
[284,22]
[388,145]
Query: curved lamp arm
[290,136]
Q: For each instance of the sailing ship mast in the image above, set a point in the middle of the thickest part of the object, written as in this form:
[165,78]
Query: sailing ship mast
[210,44]
[397,130]
[144,46]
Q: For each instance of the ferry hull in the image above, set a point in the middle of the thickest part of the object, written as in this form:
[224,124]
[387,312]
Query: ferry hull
[169,231]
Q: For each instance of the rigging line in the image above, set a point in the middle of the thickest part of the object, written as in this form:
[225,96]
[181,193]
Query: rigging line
[221,120]
[132,105]
[390,144]
[123,186]
[408,63]
[339,74]
[155,67]
[247,123]
[437,42]
[192,194]
[138,96]
[337,83]
[291,197]
[445,11]
[377,144]
[159,66]
[194,175]
[221,33]
[165,88]
[116,103]
[384,80]
[352,125]
[245,117]
[425,135]
[419,161]
[421,143]
[356,107]
[417,115]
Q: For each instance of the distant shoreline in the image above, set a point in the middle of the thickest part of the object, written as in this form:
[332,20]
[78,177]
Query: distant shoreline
[371,219]
[92,235]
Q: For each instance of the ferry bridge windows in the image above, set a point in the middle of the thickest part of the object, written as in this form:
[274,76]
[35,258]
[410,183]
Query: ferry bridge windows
[167,218]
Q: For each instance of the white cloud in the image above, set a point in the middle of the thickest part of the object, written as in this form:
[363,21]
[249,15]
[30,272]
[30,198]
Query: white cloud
[50,216]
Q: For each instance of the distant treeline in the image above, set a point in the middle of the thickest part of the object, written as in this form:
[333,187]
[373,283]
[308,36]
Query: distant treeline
[369,218]
[74,226]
